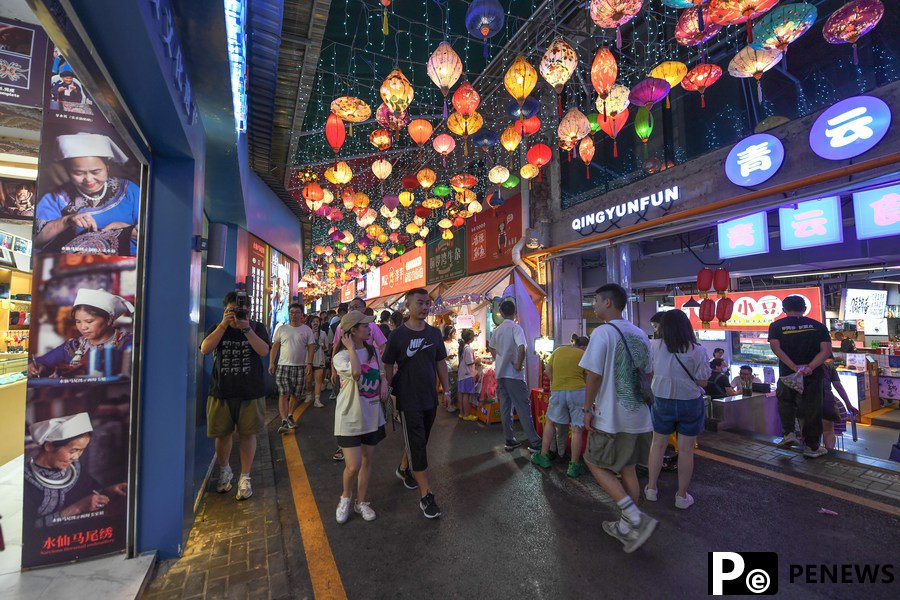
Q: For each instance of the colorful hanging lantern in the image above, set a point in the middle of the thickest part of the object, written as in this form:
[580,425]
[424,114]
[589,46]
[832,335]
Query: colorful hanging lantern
[350,109]
[612,125]
[426,177]
[648,92]
[512,182]
[339,174]
[444,69]
[695,27]
[520,79]
[390,120]
[432,203]
[557,66]
[443,144]
[752,62]
[530,107]
[498,174]
[396,91]
[539,154]
[672,71]
[381,139]
[616,101]
[382,169]
[705,281]
[707,312]
[388,213]
[528,171]
[313,192]
[612,14]
[734,12]
[463,127]
[446,234]
[391,202]
[604,71]
[643,124]
[724,311]
[721,281]
[335,132]
[529,126]
[484,19]
[573,127]
[406,199]
[410,182]
[485,138]
[463,181]
[784,25]
[441,190]
[586,153]
[701,77]
[510,139]
[852,21]
[466,100]
[419,130]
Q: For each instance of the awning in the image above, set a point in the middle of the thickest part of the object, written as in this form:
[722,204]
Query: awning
[384,302]
[474,288]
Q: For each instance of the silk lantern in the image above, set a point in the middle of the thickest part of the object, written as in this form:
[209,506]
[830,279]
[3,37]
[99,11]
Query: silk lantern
[426,177]
[604,71]
[520,79]
[410,182]
[852,21]
[510,139]
[539,155]
[705,281]
[695,27]
[721,281]
[753,62]
[672,71]
[724,310]
[733,12]
[443,144]
[573,127]
[335,132]
[381,139]
[382,169]
[612,125]
[700,78]
[444,69]
[396,91]
[557,66]
[419,130]
[350,109]
[783,25]
[466,99]
[707,312]
[611,14]
[484,19]
[586,153]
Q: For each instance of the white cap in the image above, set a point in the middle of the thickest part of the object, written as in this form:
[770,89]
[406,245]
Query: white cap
[90,144]
[116,306]
[61,428]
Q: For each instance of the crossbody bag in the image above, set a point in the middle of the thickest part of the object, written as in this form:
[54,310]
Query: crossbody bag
[638,380]
[688,373]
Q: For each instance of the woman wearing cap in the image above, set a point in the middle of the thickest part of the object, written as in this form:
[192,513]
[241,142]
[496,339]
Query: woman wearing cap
[358,415]
[95,313]
[57,486]
[93,213]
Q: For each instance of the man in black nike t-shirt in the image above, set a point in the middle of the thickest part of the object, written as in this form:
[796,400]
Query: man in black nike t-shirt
[417,349]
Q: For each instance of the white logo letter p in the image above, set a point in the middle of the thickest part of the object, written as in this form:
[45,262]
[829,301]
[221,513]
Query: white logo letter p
[719,575]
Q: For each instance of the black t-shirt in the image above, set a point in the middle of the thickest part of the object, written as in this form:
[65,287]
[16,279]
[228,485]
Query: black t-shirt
[237,372]
[416,354]
[717,385]
[848,345]
[801,339]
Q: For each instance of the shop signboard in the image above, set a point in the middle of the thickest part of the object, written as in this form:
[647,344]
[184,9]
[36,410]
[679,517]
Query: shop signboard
[863,304]
[446,258]
[744,236]
[754,160]
[756,310]
[23,56]
[877,212]
[812,223]
[348,291]
[637,206]
[373,283]
[492,235]
[850,127]
[404,273]
[256,277]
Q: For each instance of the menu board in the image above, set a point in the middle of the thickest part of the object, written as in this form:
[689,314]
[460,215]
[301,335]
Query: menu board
[863,304]
[755,311]
[492,235]
[446,258]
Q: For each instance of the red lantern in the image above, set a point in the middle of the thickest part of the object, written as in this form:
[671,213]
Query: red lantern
[466,100]
[586,152]
[539,155]
[704,281]
[420,130]
[529,126]
[721,281]
[313,192]
[422,212]
[410,182]
[335,132]
[707,311]
[612,125]
[724,310]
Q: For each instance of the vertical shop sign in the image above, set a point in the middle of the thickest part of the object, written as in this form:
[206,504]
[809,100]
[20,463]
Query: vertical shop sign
[373,283]
[79,399]
[23,57]
[446,258]
[492,235]
[877,212]
[812,223]
[745,236]
[279,289]
[257,277]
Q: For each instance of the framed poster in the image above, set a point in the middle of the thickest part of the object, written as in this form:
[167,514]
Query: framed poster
[23,55]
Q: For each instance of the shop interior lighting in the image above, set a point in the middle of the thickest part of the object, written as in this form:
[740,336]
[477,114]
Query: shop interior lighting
[887,281]
[833,272]
[18,172]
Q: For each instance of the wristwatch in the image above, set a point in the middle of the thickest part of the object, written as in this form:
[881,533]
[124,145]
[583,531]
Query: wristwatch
[245,330]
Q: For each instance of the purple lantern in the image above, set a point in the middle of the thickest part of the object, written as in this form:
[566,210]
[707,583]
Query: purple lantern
[529,108]
[649,92]
[392,202]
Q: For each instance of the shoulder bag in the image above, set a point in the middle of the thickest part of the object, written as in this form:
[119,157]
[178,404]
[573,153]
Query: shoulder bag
[639,380]
[688,373]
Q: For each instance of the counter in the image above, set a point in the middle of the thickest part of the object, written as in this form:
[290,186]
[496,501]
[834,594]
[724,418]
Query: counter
[757,413]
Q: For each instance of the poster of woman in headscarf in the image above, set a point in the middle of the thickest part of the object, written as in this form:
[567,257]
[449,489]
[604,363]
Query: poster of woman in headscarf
[17,199]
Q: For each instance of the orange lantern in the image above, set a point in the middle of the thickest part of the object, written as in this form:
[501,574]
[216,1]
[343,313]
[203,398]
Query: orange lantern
[586,152]
[420,130]
[466,99]
[701,77]
[604,71]
[381,139]
[426,177]
[529,126]
[520,79]
[510,139]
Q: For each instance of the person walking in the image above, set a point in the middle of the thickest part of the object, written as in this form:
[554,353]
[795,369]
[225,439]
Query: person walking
[292,350]
[615,415]
[358,414]
[680,367]
[468,375]
[834,411]
[566,404]
[417,350]
[237,390]
[508,347]
[453,357]
[318,361]
[802,345]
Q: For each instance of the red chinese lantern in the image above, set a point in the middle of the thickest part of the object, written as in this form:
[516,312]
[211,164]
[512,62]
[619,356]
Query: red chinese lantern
[466,100]
[707,311]
[724,310]
[539,155]
[700,78]
[705,281]
[612,125]
[410,182]
[422,212]
[529,126]
[335,132]
[721,281]
[586,152]
[604,71]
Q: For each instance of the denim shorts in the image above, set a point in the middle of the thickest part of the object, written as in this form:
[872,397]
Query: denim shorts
[567,407]
[684,416]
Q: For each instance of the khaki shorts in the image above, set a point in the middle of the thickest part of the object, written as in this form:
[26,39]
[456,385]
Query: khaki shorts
[223,416]
[616,451]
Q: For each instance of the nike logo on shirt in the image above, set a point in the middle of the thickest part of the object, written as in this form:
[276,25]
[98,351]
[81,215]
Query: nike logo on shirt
[415,346]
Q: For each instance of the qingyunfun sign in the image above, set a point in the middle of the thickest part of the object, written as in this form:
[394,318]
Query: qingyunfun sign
[638,205]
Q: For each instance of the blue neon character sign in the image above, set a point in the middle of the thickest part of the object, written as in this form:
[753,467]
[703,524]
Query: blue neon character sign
[754,160]
[744,236]
[850,127]
[812,223]
[877,212]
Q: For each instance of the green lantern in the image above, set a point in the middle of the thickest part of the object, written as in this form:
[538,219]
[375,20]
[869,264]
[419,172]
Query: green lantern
[441,190]
[643,124]
[512,182]
[595,124]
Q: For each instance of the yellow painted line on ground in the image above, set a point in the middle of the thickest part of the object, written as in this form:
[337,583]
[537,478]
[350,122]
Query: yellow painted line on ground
[810,485]
[323,571]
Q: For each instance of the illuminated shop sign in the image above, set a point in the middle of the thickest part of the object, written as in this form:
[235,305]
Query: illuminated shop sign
[745,236]
[638,205]
[754,159]
[812,223]
[850,127]
[877,212]
[235,16]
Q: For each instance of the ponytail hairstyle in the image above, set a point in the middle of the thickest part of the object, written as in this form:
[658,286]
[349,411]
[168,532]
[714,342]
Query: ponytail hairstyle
[466,338]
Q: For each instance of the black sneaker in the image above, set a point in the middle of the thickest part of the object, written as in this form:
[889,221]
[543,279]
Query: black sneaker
[338,456]
[510,446]
[285,427]
[291,423]
[429,506]
[405,475]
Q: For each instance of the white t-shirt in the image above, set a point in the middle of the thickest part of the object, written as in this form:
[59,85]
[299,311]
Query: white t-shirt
[294,342]
[505,341]
[617,408]
[467,364]
[670,380]
[358,409]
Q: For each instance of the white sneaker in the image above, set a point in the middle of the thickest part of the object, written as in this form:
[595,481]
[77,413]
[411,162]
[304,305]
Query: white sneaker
[651,495]
[318,404]
[683,502]
[225,477]
[343,510]
[810,453]
[245,490]
[788,441]
[364,509]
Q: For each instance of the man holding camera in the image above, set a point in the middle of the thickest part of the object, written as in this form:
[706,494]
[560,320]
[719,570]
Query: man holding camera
[237,391]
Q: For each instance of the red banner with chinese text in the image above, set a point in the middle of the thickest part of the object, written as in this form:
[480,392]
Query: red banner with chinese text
[404,272]
[492,235]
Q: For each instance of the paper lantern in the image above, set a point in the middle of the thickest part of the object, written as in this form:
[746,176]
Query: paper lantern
[391,120]
[339,174]
[510,139]
[406,199]
[648,92]
[422,212]
[529,126]
[485,138]
[466,100]
[498,174]
[335,132]
[350,109]
[447,234]
[520,79]
[724,311]
[586,153]
[616,101]
[410,182]
[852,21]
[419,130]
[463,181]
[413,229]
[484,19]
[391,202]
[707,312]
[672,71]
[445,223]
[705,281]
[557,66]
[443,144]
[604,71]
[721,281]
[643,124]
[464,127]
[393,223]
[529,171]
[382,169]
[753,62]
[396,91]
[387,213]
[335,214]
[465,196]
[530,107]
[381,139]
[612,14]
[441,190]
[573,126]
[512,182]
[432,203]
[327,196]
[695,27]
[783,25]
[444,68]
[540,154]
[701,77]
[426,177]
[734,12]
[474,207]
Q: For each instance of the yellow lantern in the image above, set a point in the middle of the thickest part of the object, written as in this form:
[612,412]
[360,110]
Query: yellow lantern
[341,174]
[464,197]
[672,71]
[529,171]
[419,221]
[432,203]
[361,200]
[463,126]
[498,174]
[520,79]
[419,243]
[396,91]
[423,232]
[330,176]
[382,239]
[573,127]
[447,234]
[319,250]
[350,109]
[426,177]
[382,169]
[474,207]
[412,229]
[327,196]
[406,199]
[558,63]
[616,101]
[510,139]
[445,223]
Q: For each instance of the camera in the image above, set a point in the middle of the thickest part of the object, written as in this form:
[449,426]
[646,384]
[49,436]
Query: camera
[243,306]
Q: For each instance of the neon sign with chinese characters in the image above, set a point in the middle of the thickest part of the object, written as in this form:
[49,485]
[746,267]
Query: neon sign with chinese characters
[850,127]
[877,212]
[235,21]
[812,223]
[744,236]
[754,160]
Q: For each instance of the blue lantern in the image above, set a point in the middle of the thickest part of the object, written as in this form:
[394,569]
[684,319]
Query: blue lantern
[485,138]
[484,19]
[529,108]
